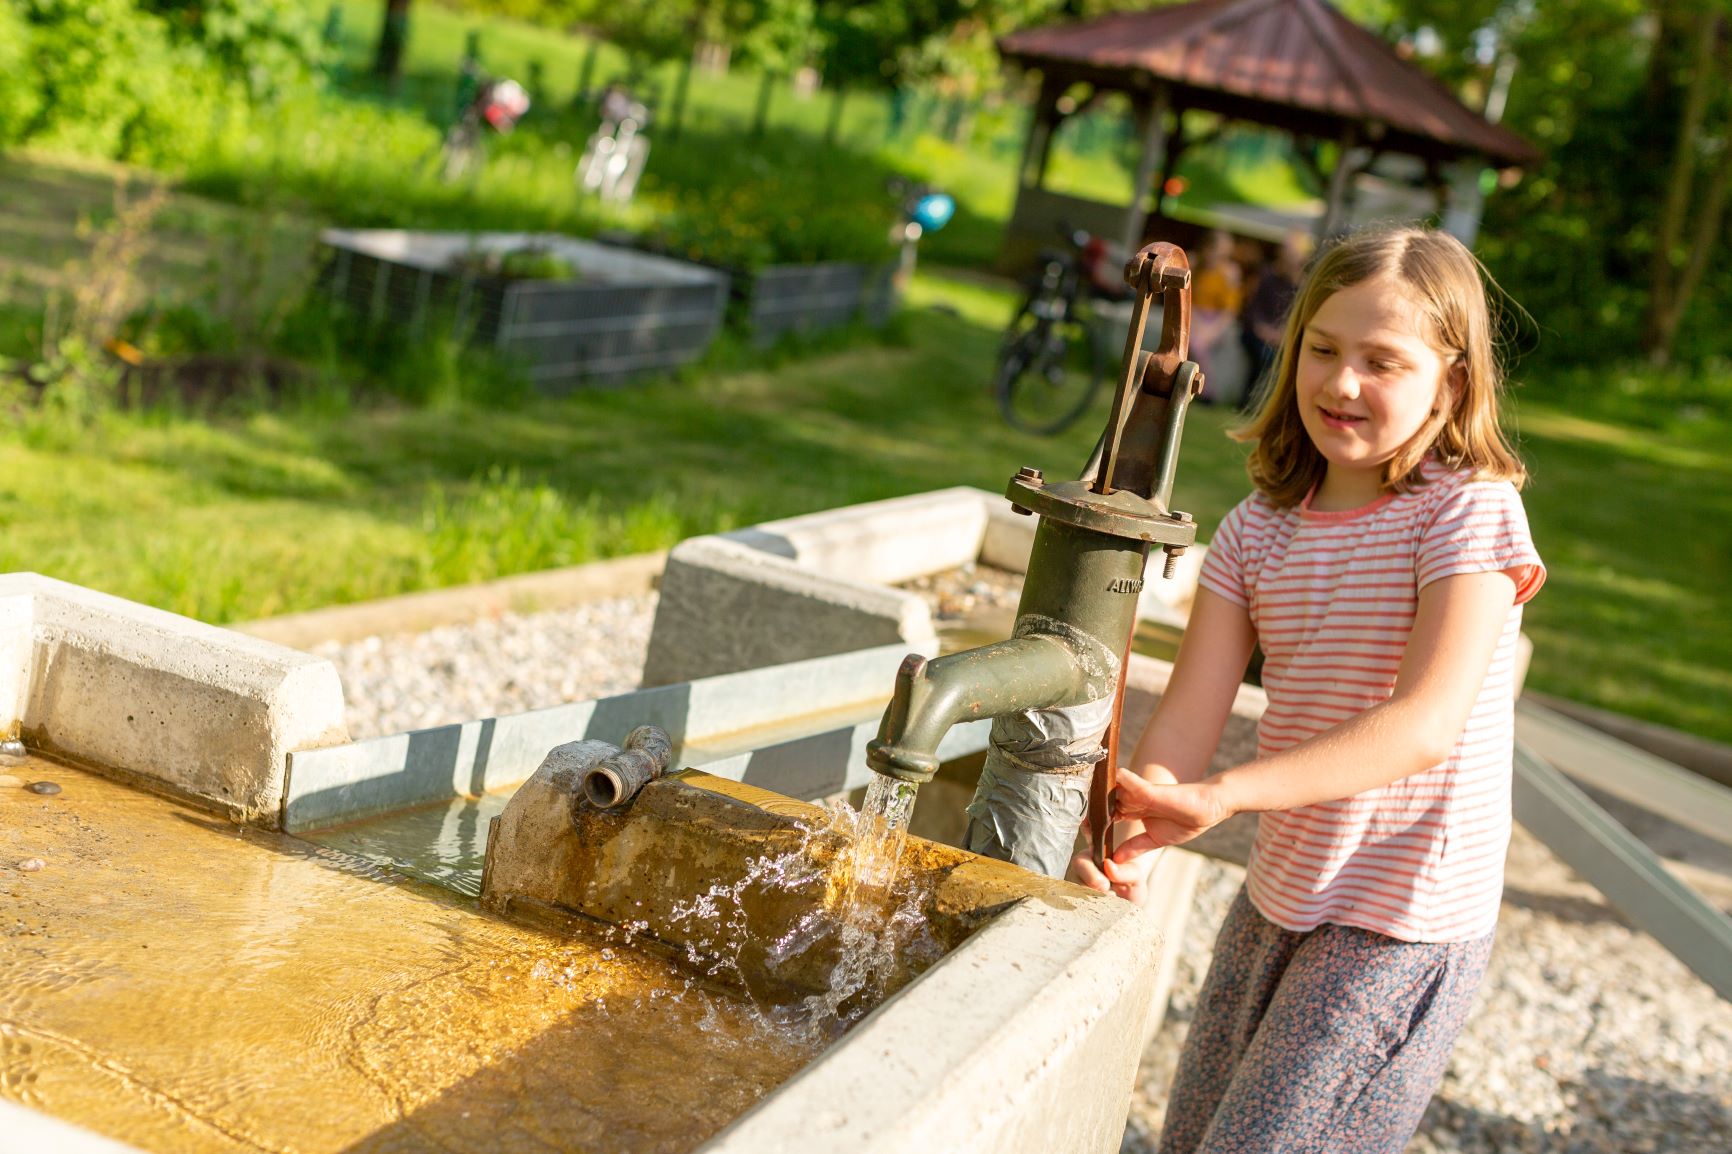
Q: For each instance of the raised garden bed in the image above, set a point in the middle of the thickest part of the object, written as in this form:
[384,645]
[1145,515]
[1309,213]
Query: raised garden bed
[810,298]
[622,315]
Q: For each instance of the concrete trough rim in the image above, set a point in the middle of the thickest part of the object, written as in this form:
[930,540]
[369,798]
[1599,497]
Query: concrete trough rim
[1026,1011]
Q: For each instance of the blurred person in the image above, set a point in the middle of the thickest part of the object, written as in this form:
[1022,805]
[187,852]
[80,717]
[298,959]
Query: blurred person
[1265,315]
[1216,295]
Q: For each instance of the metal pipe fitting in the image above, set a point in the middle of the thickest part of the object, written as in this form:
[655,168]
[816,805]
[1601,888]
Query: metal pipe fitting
[615,780]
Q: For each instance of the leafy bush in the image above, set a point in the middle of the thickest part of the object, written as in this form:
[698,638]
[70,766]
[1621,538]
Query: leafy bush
[269,46]
[113,82]
[20,94]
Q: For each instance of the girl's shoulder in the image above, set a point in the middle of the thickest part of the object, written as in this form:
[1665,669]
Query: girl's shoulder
[1255,510]
[1453,490]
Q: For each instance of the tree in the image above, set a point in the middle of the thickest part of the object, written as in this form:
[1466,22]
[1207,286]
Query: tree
[393,36]
[1694,208]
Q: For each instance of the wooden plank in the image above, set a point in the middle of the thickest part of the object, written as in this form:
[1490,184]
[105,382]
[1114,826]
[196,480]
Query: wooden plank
[1635,881]
[1627,773]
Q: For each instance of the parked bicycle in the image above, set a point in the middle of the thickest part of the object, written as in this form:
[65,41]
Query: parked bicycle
[1052,361]
[494,107]
[615,156]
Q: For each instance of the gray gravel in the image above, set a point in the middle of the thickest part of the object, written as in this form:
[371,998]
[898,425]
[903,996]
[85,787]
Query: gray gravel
[505,664]
[1589,1036]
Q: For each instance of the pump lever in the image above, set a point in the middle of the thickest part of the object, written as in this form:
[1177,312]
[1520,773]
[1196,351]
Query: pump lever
[1158,269]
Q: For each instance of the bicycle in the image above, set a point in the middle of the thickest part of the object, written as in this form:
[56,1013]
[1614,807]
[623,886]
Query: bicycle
[1051,362]
[494,106]
[614,158]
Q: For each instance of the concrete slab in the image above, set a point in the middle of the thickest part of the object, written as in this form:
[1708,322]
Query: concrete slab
[163,700]
[727,606]
[825,582]
[25,1131]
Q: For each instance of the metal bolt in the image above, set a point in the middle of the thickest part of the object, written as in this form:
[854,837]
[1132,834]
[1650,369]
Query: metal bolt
[1030,474]
[1174,552]
[1179,515]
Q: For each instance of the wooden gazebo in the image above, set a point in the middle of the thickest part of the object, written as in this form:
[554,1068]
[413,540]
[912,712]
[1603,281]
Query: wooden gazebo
[1295,65]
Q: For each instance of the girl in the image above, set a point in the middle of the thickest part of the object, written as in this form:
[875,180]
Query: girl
[1381,564]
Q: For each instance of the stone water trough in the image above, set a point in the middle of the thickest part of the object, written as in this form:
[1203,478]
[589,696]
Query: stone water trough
[231,928]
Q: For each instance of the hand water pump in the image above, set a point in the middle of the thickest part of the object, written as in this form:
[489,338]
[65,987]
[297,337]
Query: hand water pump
[1054,688]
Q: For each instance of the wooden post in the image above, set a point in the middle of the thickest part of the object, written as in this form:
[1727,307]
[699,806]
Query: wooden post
[1152,130]
[1338,176]
[1036,144]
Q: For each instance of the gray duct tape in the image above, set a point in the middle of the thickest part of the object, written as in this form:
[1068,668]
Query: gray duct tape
[1028,818]
[1066,740]
[1034,787]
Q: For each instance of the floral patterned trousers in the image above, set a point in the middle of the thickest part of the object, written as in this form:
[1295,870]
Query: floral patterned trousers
[1325,1042]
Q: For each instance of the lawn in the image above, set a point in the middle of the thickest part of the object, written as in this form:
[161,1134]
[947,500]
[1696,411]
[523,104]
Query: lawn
[289,508]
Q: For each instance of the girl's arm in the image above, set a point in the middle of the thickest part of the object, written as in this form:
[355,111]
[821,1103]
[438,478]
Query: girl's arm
[1180,739]
[1455,632]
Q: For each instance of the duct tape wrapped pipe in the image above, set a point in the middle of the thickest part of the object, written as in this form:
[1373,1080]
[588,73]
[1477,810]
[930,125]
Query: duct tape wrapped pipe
[1034,788]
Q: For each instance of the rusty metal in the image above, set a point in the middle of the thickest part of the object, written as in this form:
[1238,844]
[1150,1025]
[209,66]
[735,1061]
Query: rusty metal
[1299,65]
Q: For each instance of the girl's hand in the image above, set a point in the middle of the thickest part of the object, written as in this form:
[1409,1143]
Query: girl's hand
[1129,881]
[1171,814]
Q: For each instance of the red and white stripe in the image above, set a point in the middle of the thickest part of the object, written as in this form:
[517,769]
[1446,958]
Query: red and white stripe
[1333,597]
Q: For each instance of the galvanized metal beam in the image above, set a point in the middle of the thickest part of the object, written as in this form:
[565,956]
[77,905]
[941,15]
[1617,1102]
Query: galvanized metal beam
[1627,872]
[1627,773]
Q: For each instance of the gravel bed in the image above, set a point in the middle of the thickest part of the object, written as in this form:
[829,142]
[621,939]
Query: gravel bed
[498,665]
[1588,1036]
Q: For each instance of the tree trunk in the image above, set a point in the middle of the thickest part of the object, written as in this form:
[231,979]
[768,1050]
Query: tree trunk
[586,76]
[1676,271]
[761,115]
[833,126]
[393,35]
[677,113]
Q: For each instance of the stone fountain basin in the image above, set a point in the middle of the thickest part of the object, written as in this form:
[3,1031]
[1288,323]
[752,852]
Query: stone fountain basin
[1023,1036]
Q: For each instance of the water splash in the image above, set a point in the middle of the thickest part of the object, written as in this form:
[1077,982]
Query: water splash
[858,934]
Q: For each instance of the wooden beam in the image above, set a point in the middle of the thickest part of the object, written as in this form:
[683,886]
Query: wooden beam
[1612,860]
[1040,128]
[1338,179]
[1152,130]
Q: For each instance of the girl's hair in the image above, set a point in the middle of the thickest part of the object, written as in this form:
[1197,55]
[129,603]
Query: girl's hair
[1445,280]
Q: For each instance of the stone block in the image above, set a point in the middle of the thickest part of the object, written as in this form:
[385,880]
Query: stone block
[824,583]
[173,703]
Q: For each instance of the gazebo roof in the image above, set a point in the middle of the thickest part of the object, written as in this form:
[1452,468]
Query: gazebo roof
[1294,64]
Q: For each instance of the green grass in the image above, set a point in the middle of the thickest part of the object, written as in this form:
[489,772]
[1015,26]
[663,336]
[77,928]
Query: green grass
[279,511]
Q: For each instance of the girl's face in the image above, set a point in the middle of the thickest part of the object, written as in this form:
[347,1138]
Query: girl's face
[1368,379]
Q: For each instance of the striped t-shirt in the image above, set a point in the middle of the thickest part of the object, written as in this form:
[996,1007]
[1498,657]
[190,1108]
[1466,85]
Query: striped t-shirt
[1333,597]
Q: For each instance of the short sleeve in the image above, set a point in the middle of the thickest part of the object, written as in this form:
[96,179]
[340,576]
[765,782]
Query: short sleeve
[1223,571]
[1481,527]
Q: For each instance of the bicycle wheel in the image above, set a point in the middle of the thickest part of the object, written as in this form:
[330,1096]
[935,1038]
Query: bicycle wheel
[1048,374]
